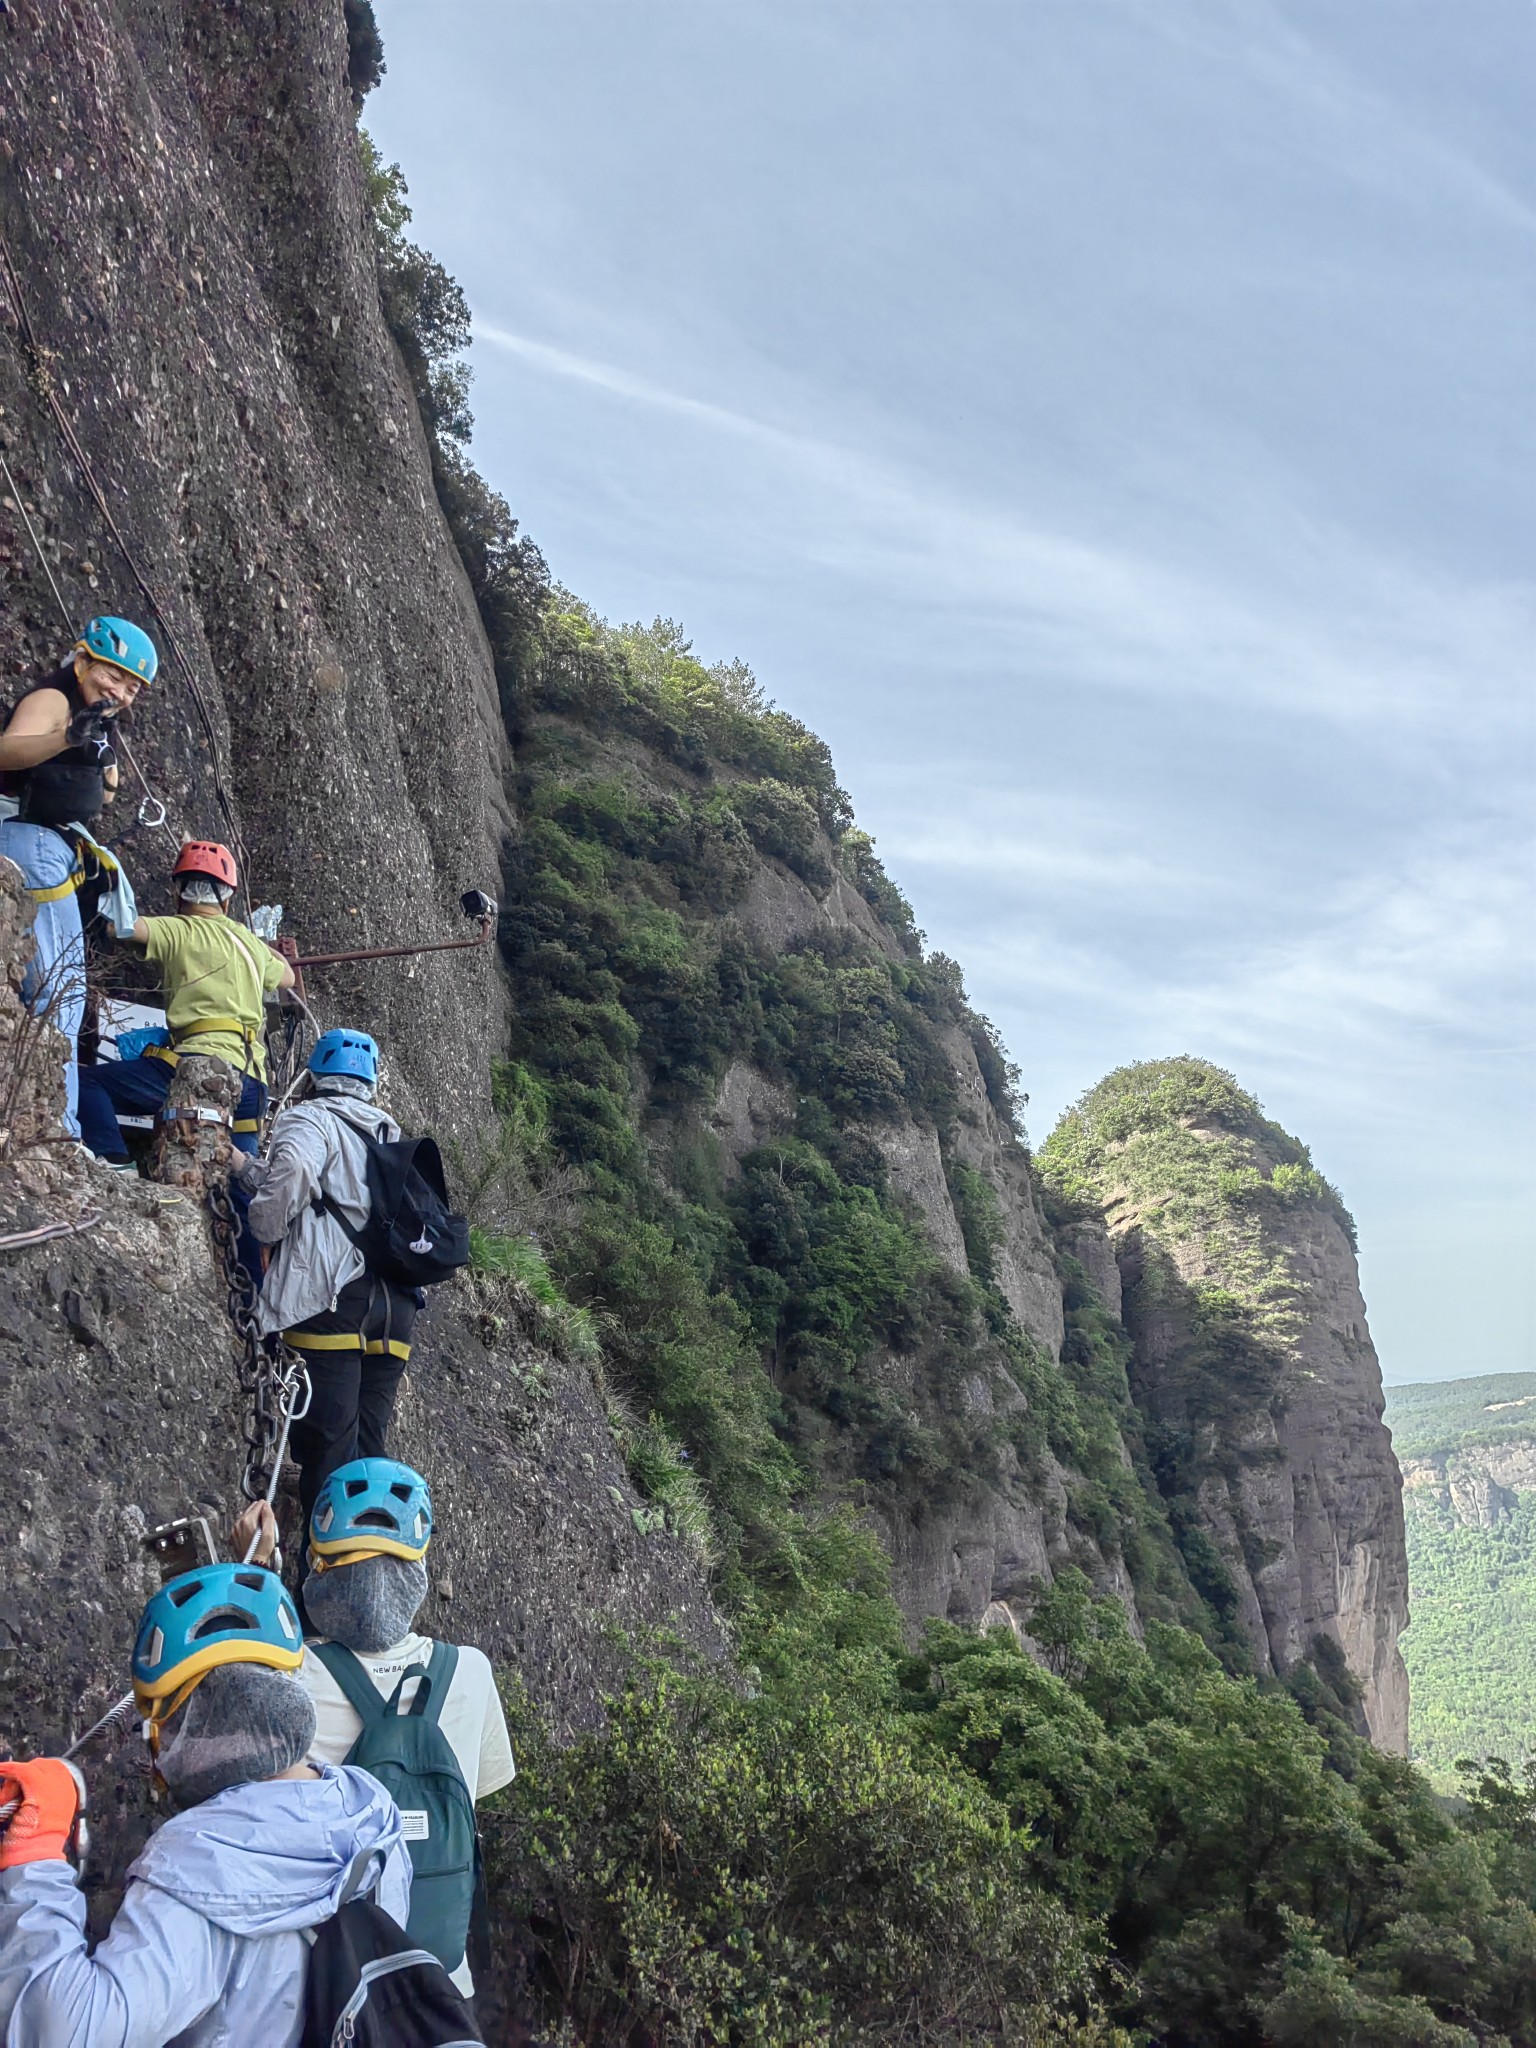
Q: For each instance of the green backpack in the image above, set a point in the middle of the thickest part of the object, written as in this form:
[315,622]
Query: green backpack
[406,1750]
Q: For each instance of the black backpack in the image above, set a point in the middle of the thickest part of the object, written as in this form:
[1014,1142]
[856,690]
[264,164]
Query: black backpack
[370,1987]
[411,1237]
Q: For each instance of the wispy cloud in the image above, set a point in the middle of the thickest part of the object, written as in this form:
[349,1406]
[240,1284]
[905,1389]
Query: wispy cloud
[1034,593]
[620,383]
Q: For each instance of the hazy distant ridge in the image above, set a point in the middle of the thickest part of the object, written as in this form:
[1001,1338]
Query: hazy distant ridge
[1468,1453]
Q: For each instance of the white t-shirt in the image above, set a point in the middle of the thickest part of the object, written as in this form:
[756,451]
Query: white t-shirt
[471,1720]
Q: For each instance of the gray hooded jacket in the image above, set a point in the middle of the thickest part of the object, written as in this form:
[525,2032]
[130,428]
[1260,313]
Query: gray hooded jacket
[315,1150]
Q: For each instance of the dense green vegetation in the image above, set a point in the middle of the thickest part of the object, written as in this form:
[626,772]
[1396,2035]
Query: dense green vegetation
[846,1840]
[1181,1144]
[1445,1415]
[961,1845]
[1471,1645]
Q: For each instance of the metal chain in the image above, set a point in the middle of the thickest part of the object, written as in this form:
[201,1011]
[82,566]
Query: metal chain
[277,1382]
[272,1377]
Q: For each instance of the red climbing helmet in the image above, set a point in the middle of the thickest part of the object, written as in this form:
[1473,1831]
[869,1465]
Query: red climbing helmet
[207,857]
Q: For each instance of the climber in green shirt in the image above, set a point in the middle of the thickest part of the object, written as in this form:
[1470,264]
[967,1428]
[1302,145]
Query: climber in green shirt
[217,975]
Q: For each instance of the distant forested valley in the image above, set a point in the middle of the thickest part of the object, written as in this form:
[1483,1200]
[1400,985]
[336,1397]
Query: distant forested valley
[1468,1451]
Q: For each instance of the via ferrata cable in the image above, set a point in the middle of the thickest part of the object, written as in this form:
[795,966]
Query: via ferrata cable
[43,384]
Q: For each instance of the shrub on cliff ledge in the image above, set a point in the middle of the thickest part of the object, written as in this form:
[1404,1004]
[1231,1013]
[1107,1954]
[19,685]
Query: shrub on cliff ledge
[714,1870]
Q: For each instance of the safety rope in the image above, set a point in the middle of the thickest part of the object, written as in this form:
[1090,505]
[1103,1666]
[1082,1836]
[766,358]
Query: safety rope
[280,1392]
[43,384]
[45,1231]
[37,546]
[277,1382]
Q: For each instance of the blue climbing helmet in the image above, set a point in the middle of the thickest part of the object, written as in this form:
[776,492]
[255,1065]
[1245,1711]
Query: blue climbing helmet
[372,1506]
[346,1052]
[124,644]
[218,1614]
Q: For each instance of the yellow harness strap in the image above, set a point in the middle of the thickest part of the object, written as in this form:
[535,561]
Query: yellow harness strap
[345,1340]
[70,886]
[75,880]
[243,1032]
[181,1031]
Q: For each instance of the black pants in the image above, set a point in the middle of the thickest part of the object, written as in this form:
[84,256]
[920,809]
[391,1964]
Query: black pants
[355,1353]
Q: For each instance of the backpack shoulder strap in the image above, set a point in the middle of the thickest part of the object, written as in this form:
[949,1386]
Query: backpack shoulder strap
[326,1207]
[322,1203]
[361,1692]
[427,1160]
[432,1693]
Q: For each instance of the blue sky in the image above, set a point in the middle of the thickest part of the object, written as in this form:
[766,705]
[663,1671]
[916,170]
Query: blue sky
[1109,423]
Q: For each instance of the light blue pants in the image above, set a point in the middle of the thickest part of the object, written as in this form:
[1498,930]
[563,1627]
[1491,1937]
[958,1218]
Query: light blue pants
[54,984]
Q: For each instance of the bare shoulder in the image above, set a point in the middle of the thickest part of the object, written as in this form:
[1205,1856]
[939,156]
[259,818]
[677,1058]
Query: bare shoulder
[41,710]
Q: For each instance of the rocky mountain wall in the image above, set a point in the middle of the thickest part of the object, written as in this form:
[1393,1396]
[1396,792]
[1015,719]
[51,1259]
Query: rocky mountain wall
[181,197]
[1475,1485]
[1252,1362]
[978,1556]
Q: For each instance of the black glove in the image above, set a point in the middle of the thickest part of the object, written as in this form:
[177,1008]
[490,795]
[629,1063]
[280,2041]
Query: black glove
[88,732]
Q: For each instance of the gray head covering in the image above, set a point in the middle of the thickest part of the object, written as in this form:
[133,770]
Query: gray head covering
[344,1084]
[244,1722]
[369,1605]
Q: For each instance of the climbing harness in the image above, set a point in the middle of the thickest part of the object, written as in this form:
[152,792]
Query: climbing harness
[227,1027]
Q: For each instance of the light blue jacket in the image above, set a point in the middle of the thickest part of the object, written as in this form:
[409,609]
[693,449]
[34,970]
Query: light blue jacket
[117,903]
[206,1950]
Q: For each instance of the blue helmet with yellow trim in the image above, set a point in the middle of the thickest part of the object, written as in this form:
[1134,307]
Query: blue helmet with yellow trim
[124,645]
[372,1507]
[218,1614]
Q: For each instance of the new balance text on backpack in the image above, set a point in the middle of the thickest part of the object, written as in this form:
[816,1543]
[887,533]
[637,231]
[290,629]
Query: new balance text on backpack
[406,1750]
[370,1986]
[411,1236]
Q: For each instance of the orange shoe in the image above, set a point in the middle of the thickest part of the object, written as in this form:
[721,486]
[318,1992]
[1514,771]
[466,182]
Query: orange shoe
[46,1799]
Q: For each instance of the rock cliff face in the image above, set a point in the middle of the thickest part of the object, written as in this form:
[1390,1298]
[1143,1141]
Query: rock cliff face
[1476,1485]
[959,1560]
[1252,1362]
[960,1552]
[182,202]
